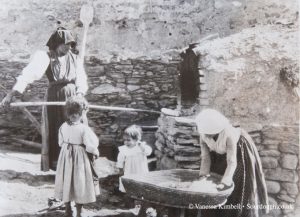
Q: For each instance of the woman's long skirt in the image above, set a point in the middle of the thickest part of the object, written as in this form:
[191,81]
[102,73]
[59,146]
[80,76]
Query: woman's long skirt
[250,189]
[56,117]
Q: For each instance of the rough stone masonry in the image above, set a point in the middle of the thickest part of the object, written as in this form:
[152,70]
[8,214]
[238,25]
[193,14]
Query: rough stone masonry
[133,51]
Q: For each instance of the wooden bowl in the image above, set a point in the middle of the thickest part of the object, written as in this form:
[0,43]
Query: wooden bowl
[152,187]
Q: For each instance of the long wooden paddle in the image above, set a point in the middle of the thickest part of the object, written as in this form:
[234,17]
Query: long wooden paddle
[86,17]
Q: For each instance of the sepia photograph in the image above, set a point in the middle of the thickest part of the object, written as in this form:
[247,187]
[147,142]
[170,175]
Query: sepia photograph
[149,108]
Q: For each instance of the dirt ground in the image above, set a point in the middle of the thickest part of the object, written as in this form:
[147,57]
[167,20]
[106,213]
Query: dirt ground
[25,189]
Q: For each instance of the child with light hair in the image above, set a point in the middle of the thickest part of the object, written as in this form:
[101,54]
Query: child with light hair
[132,157]
[74,180]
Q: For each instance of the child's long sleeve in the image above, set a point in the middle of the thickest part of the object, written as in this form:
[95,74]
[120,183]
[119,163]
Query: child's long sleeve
[91,141]
[60,136]
[147,148]
[120,160]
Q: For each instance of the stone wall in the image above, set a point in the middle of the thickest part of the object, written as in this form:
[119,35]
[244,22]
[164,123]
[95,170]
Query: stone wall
[177,144]
[132,83]
[279,151]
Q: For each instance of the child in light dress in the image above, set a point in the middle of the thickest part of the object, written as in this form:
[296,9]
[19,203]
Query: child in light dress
[74,176]
[132,157]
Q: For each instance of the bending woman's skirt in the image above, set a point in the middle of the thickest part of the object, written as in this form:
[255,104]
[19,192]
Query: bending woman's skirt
[59,91]
[250,193]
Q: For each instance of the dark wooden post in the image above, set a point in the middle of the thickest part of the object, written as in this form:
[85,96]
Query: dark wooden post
[45,140]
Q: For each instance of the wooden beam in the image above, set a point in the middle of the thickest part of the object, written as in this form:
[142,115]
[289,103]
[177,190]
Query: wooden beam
[33,120]
[45,141]
[28,143]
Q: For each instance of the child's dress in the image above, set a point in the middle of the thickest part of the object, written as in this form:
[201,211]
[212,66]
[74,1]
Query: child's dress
[133,160]
[74,178]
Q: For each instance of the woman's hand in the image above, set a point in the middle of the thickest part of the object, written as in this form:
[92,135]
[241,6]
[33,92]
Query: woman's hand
[141,146]
[204,176]
[7,99]
[223,187]
[121,171]
[80,94]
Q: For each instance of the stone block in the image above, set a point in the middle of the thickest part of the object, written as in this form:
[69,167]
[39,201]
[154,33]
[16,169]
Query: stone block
[159,145]
[177,132]
[193,166]
[203,87]
[289,161]
[187,149]
[201,72]
[134,81]
[187,158]
[269,162]
[158,154]
[166,163]
[280,174]
[169,152]
[204,102]
[274,212]
[289,148]
[291,188]
[185,121]
[269,153]
[286,198]
[116,75]
[203,94]
[106,89]
[149,73]
[273,187]
[256,139]
[271,142]
[186,141]
[133,87]
[202,80]
[124,67]
[160,138]
[170,112]
[282,133]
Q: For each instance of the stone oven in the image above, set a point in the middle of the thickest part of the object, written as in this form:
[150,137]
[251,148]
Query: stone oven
[177,139]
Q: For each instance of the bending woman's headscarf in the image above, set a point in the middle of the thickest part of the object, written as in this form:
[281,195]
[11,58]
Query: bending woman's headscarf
[210,121]
[61,36]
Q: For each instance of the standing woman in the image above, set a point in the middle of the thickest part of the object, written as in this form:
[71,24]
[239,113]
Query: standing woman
[66,77]
[231,152]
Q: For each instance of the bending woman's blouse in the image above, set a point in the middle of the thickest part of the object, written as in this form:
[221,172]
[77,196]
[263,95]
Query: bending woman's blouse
[37,67]
[226,143]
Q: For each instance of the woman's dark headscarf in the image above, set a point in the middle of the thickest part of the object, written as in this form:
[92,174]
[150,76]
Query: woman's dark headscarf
[61,36]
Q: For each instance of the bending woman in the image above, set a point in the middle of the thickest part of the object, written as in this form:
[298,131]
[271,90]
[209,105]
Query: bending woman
[231,152]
